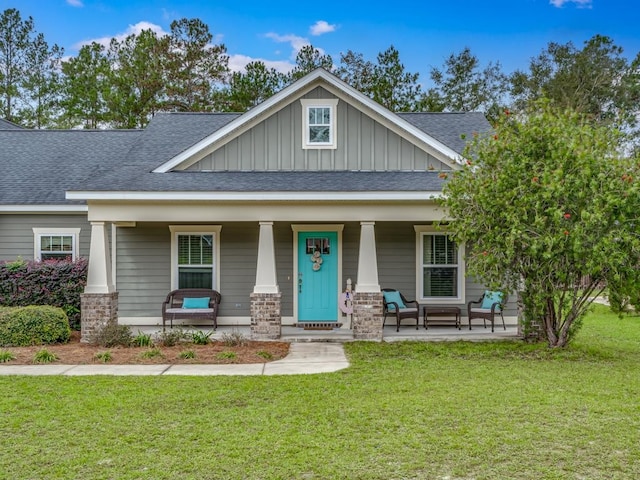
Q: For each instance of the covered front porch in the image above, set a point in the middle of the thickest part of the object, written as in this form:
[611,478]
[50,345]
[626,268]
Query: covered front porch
[260,264]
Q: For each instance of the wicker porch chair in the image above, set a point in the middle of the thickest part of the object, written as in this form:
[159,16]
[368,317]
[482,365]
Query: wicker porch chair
[489,305]
[395,304]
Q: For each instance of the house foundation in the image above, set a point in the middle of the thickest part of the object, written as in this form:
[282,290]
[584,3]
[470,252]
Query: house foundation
[367,316]
[266,318]
[97,310]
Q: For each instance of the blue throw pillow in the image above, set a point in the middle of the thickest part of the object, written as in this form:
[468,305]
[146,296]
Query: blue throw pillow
[202,302]
[393,297]
[490,298]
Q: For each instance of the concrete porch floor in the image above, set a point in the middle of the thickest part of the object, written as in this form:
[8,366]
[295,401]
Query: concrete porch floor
[341,335]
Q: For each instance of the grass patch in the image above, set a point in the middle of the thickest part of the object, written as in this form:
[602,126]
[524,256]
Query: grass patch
[463,410]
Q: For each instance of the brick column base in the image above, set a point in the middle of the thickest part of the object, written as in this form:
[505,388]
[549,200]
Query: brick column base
[97,310]
[266,319]
[367,316]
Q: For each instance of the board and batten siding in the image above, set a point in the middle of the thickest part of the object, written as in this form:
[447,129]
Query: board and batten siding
[17,239]
[276,144]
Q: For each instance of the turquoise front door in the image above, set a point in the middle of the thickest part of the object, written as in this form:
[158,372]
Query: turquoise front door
[317,276]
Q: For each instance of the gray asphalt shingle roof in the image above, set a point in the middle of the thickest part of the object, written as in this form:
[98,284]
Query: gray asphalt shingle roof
[7,125]
[39,166]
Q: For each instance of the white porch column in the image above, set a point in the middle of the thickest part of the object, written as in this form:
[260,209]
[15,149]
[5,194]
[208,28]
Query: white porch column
[99,278]
[266,279]
[367,280]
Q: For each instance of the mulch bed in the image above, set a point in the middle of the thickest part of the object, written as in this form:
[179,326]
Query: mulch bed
[76,353]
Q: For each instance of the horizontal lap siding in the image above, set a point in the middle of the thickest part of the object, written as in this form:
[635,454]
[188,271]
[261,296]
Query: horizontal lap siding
[397,265]
[144,265]
[396,246]
[238,257]
[143,269]
[16,233]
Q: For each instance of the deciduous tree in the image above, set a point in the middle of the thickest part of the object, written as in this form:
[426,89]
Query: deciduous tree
[543,203]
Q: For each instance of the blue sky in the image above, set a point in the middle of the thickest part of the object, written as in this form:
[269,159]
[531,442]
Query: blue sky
[425,32]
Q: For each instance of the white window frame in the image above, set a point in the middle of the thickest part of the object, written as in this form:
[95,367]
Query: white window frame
[38,233]
[421,231]
[214,231]
[332,105]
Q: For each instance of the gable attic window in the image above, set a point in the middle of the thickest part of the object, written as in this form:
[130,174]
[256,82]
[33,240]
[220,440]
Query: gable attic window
[319,118]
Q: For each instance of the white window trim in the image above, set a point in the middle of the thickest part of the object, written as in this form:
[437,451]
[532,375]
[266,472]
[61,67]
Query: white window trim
[74,233]
[213,230]
[332,104]
[431,230]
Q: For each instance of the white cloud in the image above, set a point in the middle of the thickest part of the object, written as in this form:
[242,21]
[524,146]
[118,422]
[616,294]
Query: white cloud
[295,41]
[321,27]
[75,3]
[579,3]
[131,30]
[238,62]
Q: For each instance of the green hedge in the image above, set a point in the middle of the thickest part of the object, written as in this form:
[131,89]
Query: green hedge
[33,325]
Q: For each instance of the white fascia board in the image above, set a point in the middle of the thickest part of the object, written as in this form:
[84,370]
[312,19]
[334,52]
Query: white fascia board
[238,122]
[298,86]
[254,196]
[44,208]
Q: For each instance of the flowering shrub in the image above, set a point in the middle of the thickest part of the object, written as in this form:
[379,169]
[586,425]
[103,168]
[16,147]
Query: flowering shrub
[53,282]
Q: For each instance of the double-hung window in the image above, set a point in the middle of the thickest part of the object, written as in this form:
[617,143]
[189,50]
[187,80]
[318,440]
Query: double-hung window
[194,256]
[55,243]
[441,267]
[319,123]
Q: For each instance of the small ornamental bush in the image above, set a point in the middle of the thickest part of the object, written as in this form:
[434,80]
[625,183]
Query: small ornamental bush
[114,335]
[170,338]
[151,353]
[6,356]
[143,340]
[233,339]
[44,356]
[33,325]
[103,357]
[199,337]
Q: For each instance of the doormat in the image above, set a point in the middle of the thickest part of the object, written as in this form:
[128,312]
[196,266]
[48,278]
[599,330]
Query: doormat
[319,325]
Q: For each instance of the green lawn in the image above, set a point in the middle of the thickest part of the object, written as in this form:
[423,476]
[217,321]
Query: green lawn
[502,410]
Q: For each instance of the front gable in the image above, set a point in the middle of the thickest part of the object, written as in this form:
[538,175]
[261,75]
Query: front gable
[270,137]
[277,143]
